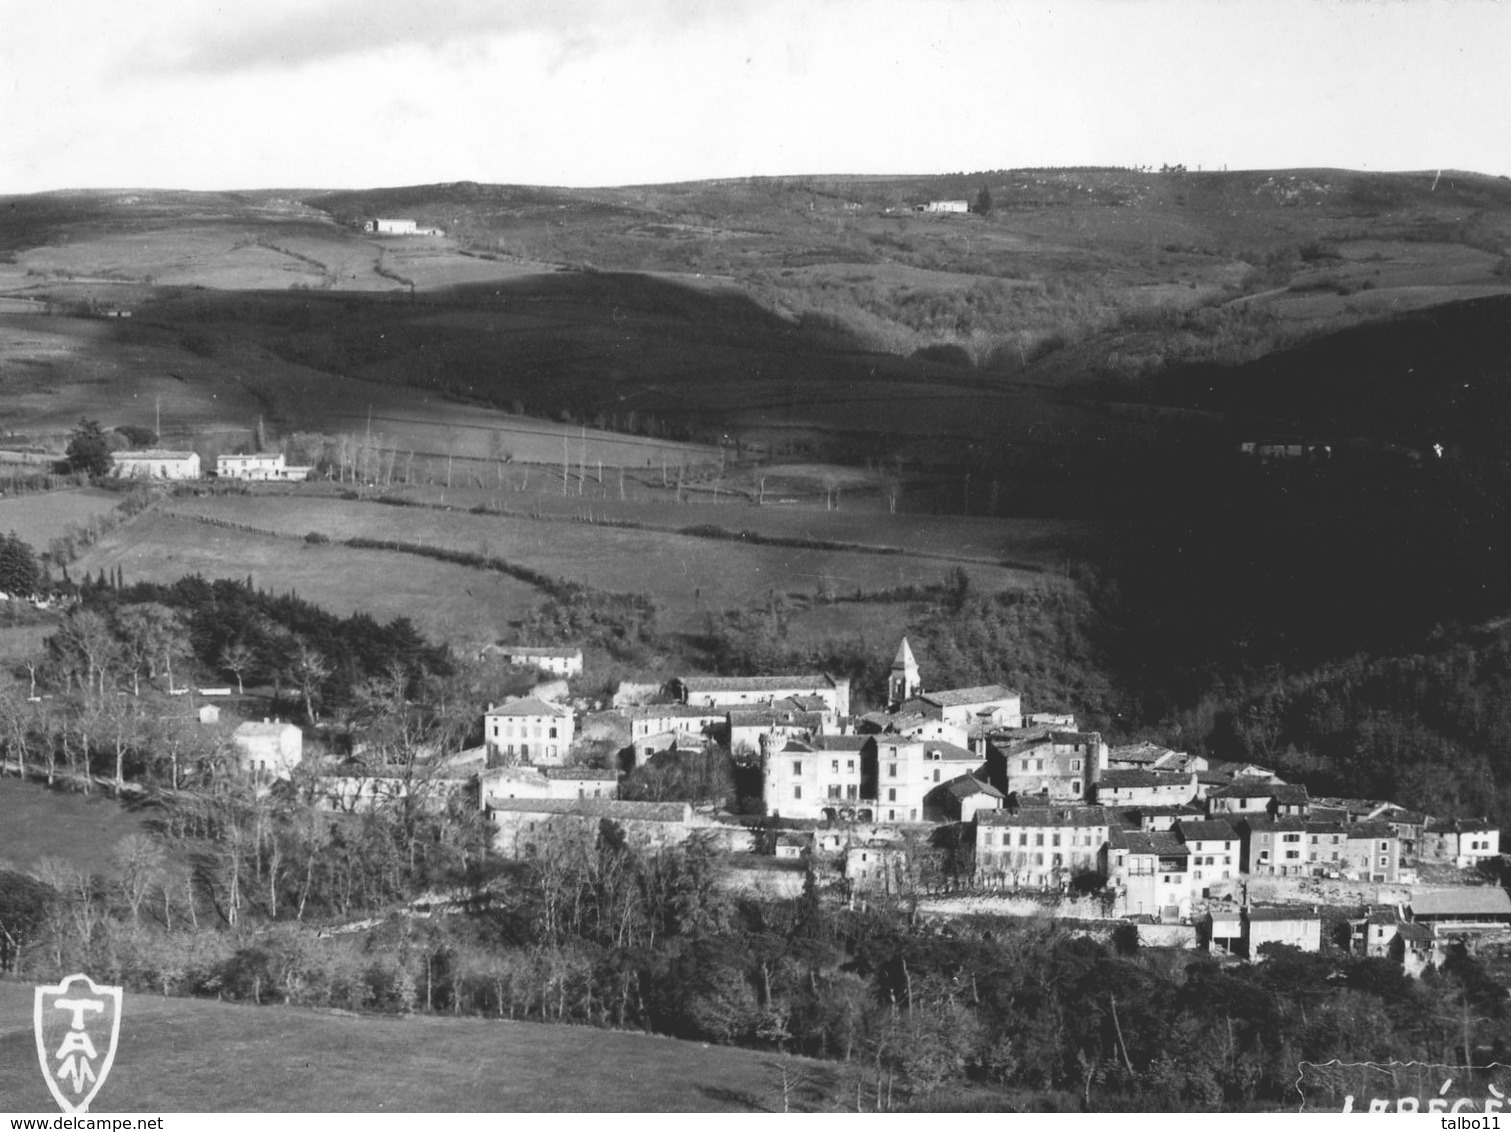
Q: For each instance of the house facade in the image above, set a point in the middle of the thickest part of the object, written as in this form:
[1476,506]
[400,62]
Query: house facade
[1150,873]
[1146,787]
[1062,766]
[155,464]
[528,730]
[259,466]
[1043,847]
[270,747]
[1216,853]
[557,661]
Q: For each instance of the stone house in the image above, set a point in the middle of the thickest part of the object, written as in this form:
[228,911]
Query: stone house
[1063,766]
[1146,787]
[1149,872]
[1216,853]
[155,464]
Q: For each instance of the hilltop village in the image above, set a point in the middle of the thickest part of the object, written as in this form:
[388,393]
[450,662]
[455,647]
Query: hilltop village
[961,794]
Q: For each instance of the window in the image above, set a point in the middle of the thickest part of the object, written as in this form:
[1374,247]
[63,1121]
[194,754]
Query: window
[1075,788]
[851,791]
[1075,764]
[834,767]
[1038,839]
[551,751]
[849,764]
[797,791]
[1384,847]
[1056,840]
[936,774]
[1025,764]
[797,767]
[891,770]
[834,790]
[1038,764]
[552,734]
[892,794]
[1059,860]
[1384,862]
[1022,839]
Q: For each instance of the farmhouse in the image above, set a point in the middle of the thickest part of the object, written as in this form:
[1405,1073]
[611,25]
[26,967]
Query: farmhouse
[156,464]
[1251,796]
[529,729]
[394,227]
[945,206]
[961,799]
[557,661]
[1293,927]
[259,466]
[269,747]
[558,782]
[525,827]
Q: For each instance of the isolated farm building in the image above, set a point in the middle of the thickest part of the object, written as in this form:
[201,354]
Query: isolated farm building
[961,799]
[526,827]
[270,747]
[391,227]
[557,661]
[156,464]
[747,691]
[1461,843]
[882,866]
[528,729]
[945,206]
[209,713]
[1062,766]
[793,845]
[1146,787]
[259,466]
[1042,847]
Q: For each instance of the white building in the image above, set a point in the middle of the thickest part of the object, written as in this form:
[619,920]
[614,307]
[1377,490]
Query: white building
[557,661]
[1039,847]
[259,466]
[950,206]
[988,705]
[749,691]
[156,464]
[269,747]
[529,730]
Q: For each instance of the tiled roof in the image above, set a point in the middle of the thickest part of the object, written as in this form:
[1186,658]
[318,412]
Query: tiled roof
[1125,779]
[1138,753]
[528,706]
[1207,831]
[579,774]
[595,808]
[949,752]
[1135,841]
[1257,824]
[968,784]
[1369,831]
[1048,816]
[1484,900]
[1280,791]
[672,711]
[532,650]
[251,729]
[766,717]
[964,697]
[1278,915]
[842,742]
[152,454]
[755,683]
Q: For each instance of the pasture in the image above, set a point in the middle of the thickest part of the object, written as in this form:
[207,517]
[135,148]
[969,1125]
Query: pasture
[456,604]
[40,516]
[190,1055]
[686,575]
[81,830]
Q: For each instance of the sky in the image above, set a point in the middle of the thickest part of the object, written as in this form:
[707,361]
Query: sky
[364,93]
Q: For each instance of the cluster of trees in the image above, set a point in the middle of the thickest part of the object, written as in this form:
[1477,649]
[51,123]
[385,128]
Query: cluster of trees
[599,930]
[20,573]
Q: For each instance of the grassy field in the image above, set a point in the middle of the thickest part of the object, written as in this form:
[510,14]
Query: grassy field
[686,575]
[181,1055]
[36,822]
[451,603]
[38,517]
